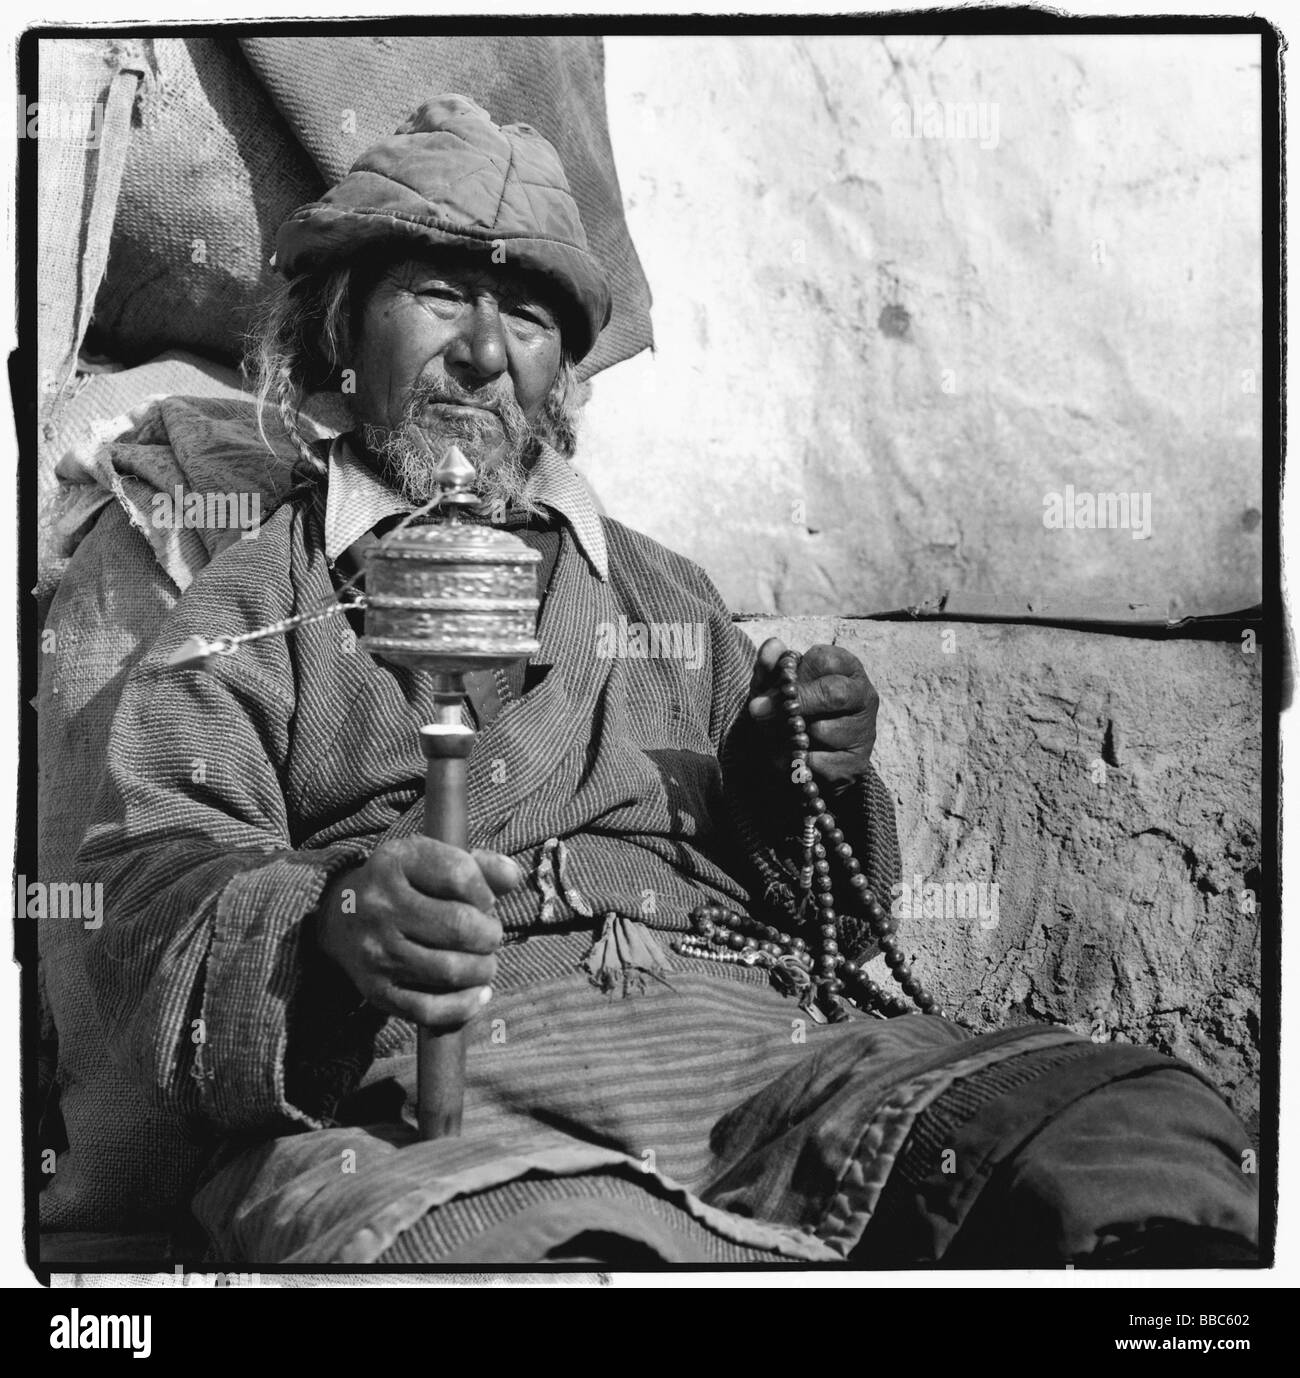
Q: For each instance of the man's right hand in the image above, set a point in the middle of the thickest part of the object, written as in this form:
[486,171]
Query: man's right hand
[414,931]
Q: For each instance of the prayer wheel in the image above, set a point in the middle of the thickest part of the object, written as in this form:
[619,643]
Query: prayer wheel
[447,598]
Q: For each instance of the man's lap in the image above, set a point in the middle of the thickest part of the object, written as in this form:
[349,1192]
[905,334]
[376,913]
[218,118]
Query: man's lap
[710,1121]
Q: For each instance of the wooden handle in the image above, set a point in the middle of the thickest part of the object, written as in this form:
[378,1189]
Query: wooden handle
[440,1057]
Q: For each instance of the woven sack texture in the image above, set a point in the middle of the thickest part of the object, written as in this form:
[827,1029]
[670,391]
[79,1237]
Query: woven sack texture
[127,1160]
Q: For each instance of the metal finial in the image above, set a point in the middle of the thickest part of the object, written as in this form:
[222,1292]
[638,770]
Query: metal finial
[455,476]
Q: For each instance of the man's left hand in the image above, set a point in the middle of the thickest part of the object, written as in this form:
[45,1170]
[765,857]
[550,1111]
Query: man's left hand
[836,700]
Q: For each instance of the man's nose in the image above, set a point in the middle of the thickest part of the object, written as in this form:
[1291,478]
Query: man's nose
[478,353]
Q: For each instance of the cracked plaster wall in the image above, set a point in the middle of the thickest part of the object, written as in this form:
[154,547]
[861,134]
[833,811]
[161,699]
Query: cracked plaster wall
[877,354]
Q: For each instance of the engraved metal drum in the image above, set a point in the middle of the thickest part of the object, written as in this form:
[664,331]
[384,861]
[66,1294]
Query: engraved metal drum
[451,597]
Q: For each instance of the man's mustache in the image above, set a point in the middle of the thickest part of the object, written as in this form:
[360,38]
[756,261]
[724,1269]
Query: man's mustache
[498,402]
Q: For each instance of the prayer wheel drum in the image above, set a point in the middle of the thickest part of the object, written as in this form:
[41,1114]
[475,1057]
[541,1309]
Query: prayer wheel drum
[451,597]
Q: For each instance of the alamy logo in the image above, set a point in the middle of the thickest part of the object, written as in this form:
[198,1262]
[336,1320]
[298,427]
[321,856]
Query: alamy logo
[1071,511]
[179,510]
[67,121]
[178,1277]
[624,640]
[948,119]
[949,899]
[102,1332]
[59,900]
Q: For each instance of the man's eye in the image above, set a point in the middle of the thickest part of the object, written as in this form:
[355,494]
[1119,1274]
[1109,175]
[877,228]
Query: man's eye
[441,293]
[531,315]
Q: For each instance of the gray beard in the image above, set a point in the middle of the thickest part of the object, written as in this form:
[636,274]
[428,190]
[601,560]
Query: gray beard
[502,455]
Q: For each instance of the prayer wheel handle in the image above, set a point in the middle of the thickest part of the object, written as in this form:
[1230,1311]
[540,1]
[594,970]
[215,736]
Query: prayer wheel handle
[440,1056]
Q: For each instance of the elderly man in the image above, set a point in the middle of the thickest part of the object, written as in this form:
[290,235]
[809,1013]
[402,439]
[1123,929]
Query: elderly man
[677,1056]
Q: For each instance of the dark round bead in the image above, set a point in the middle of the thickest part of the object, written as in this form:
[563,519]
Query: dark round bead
[912,987]
[809,788]
[830,947]
[815,804]
[835,984]
[800,741]
[902,972]
[822,868]
[826,965]
[820,853]
[848,968]
[797,944]
[858,881]
[843,850]
[826,823]
[895,958]
[876,911]
[830,930]
[852,865]
[835,837]
[736,941]
[825,901]
[797,724]
[929,1006]
[823,883]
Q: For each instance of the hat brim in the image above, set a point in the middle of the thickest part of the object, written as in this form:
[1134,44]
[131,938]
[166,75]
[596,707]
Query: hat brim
[322,236]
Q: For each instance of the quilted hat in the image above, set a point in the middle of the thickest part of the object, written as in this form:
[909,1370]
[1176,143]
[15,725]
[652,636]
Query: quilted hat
[451,177]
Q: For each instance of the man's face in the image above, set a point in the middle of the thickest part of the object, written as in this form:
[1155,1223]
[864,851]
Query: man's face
[454,350]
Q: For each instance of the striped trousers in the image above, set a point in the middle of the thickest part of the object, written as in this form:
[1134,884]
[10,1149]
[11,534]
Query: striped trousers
[706,1120]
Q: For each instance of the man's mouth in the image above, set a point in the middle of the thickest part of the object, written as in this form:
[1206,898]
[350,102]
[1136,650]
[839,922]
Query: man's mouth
[437,404]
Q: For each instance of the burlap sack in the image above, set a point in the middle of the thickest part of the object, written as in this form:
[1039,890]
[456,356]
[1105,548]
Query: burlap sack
[99,411]
[211,171]
[127,1160]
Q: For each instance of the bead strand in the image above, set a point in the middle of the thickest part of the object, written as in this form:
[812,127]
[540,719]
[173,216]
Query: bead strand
[832,966]
[814,965]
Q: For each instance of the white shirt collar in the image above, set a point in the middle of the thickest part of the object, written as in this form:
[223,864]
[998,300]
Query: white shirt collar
[357,499]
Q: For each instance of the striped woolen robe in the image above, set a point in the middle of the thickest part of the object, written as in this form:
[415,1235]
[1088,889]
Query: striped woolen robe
[699,1118]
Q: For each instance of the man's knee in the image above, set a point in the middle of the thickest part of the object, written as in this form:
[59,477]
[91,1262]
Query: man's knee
[1154,1164]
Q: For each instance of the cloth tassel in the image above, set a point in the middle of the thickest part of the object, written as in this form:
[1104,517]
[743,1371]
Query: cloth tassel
[625,954]
[555,881]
